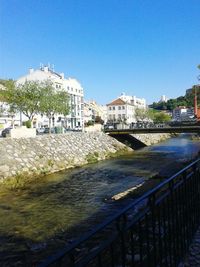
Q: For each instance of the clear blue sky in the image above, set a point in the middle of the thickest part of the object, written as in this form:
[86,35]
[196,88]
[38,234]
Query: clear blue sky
[145,48]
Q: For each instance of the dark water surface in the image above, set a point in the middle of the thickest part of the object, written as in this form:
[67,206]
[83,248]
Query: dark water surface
[42,218]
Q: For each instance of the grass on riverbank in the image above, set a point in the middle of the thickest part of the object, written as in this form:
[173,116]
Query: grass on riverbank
[21,181]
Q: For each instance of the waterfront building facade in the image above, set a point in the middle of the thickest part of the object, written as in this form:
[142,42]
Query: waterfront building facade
[93,110]
[122,109]
[183,114]
[70,85]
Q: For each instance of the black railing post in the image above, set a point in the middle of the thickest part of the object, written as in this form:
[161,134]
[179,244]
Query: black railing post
[120,227]
[140,242]
[165,233]
[160,238]
[172,223]
[156,235]
[148,249]
[72,260]
[153,228]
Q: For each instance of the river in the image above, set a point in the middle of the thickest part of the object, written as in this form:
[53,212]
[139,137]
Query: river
[40,219]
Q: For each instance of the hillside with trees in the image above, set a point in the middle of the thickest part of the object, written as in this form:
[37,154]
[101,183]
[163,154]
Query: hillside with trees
[187,100]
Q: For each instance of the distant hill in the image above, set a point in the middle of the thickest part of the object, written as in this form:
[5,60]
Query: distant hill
[4,81]
[187,100]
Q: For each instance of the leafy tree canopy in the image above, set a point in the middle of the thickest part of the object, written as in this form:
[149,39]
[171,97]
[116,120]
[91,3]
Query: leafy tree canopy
[33,98]
[24,97]
[141,114]
[187,100]
[160,117]
[53,102]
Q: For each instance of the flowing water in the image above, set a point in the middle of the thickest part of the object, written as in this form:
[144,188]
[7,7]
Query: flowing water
[46,215]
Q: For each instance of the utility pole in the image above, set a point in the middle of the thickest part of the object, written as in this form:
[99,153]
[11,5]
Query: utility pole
[195,102]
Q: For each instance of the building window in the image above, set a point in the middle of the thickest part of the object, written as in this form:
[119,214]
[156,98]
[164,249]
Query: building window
[113,108]
[119,107]
[123,107]
[110,108]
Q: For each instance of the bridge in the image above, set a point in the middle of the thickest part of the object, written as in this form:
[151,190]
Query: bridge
[176,129]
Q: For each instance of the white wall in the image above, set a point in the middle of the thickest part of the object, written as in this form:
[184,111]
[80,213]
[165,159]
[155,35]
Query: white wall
[22,132]
[71,85]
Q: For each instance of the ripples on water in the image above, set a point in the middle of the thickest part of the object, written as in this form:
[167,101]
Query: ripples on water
[63,205]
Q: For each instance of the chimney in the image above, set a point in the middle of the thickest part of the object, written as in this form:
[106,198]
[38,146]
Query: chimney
[46,69]
[62,75]
[31,70]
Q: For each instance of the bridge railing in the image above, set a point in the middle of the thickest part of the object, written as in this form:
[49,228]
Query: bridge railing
[155,230]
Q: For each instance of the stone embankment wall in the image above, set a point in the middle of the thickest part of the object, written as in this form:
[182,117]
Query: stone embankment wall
[52,153]
[151,139]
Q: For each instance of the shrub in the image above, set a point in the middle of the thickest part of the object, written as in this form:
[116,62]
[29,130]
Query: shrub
[27,124]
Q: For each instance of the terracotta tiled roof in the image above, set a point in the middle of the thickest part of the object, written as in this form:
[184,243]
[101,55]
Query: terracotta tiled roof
[117,102]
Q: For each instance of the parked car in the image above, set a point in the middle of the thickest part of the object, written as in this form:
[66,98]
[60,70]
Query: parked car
[6,132]
[78,128]
[47,129]
[109,127]
[40,130]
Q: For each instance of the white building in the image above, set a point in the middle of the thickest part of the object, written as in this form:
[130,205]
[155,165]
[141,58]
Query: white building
[92,110]
[133,100]
[183,114]
[122,109]
[73,88]
[163,98]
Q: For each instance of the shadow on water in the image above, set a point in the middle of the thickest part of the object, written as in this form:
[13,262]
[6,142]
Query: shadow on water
[45,216]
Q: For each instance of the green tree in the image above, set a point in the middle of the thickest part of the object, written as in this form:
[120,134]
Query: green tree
[151,113]
[90,123]
[171,104]
[33,98]
[24,98]
[53,102]
[160,117]
[141,114]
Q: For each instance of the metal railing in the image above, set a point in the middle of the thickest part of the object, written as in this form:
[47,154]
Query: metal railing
[155,230]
